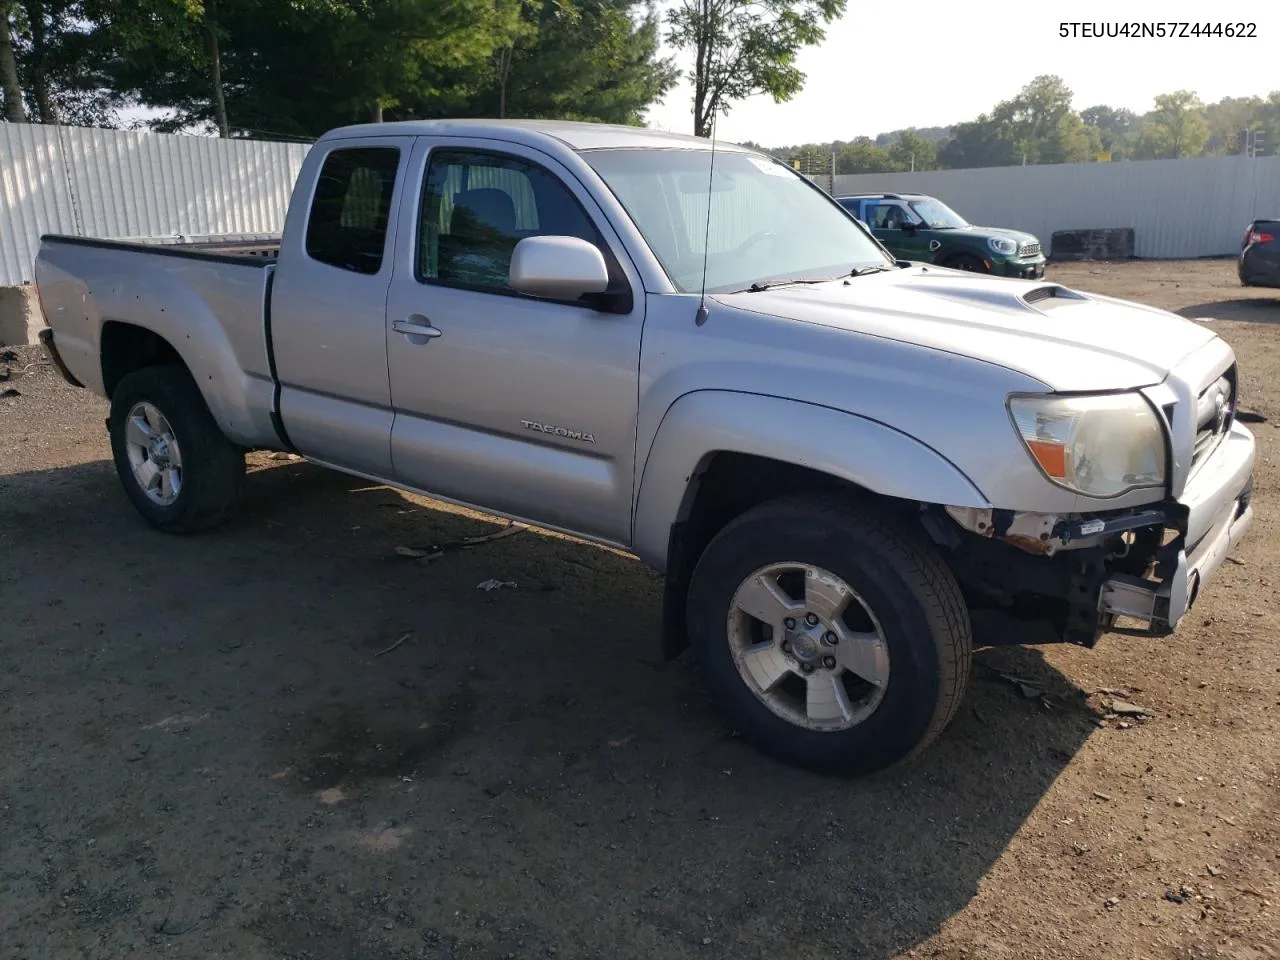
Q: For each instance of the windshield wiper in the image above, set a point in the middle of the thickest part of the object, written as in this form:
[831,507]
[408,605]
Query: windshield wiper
[762,285]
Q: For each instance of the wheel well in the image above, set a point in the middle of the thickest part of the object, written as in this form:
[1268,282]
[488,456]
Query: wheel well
[726,486]
[126,348]
[960,255]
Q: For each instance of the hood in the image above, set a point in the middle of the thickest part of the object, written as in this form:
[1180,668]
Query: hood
[1064,338]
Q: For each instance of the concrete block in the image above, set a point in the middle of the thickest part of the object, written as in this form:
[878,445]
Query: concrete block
[1113,244]
[20,316]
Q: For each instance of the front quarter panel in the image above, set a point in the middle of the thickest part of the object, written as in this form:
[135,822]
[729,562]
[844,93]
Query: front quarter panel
[889,414]
[864,452]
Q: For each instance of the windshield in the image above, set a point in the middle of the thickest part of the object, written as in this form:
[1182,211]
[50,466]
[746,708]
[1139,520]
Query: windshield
[767,223]
[937,215]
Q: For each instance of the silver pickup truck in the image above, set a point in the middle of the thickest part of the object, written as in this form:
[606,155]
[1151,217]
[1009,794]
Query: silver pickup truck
[850,469]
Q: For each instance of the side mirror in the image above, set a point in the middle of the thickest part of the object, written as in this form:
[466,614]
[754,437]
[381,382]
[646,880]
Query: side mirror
[908,226]
[557,268]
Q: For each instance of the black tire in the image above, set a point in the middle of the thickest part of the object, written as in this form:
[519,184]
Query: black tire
[902,579]
[967,262]
[212,469]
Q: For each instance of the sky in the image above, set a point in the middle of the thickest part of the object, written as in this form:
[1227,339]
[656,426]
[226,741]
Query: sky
[886,66]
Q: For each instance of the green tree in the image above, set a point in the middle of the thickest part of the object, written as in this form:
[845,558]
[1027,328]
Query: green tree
[47,66]
[813,159]
[862,156]
[913,152]
[14,109]
[517,24]
[1117,129]
[1269,123]
[170,52]
[298,68]
[745,47]
[295,68]
[1229,118]
[1041,126]
[1036,126]
[39,21]
[593,60]
[935,135]
[977,143]
[1176,128]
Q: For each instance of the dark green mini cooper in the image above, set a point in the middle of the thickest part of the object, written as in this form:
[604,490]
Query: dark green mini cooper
[924,229]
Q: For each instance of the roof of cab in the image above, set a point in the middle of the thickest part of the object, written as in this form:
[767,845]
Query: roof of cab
[884,196]
[575,135]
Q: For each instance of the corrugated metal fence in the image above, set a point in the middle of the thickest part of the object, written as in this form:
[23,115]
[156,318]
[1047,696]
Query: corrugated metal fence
[123,183]
[1177,208]
[114,183]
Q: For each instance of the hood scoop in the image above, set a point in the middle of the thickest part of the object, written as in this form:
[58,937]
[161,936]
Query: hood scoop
[1051,295]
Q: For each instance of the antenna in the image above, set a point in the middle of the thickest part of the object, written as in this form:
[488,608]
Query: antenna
[700,317]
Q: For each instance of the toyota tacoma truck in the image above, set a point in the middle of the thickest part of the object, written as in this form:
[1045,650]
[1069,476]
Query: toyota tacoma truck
[849,469]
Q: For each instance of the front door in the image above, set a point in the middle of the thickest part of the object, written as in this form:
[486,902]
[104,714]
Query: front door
[523,406]
[896,227]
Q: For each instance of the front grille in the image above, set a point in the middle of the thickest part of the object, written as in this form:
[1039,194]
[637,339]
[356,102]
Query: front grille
[1214,411]
[1029,250]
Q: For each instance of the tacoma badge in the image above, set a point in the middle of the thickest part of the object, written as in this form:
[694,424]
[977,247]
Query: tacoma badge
[557,431]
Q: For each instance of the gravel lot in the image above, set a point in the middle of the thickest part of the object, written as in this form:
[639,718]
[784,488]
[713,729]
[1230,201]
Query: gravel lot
[214,745]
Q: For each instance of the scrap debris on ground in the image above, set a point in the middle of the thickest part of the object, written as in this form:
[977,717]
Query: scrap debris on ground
[438,550]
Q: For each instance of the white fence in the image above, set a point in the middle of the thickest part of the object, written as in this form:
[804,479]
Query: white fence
[1177,208]
[117,183]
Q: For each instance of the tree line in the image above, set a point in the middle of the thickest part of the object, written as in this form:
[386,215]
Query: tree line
[1040,125]
[294,68]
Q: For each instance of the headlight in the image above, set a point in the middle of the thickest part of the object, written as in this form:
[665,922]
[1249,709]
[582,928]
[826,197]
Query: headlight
[1100,446]
[1003,245]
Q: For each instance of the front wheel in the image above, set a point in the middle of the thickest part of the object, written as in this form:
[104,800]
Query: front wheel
[834,639]
[177,467]
[967,261]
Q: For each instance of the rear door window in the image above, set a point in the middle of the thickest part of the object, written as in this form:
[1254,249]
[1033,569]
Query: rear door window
[347,226]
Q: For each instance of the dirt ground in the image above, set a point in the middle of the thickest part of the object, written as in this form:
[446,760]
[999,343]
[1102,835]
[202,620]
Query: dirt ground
[285,739]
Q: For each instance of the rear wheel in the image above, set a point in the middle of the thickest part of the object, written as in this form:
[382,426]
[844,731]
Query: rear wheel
[833,638]
[177,467]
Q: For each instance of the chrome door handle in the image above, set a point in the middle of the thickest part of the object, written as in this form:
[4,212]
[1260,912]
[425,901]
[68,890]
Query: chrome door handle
[416,327]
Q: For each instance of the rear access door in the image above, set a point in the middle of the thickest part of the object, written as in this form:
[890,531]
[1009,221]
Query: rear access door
[327,310]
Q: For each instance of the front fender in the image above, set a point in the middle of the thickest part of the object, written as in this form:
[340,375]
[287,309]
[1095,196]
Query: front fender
[864,452]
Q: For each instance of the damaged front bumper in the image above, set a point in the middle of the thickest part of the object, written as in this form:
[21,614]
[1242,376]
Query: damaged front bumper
[1148,564]
[1218,513]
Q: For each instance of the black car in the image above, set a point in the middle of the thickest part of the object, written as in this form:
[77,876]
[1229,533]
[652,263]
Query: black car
[1259,264]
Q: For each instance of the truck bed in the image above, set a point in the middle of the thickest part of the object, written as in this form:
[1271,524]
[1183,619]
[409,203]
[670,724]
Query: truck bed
[253,249]
[205,298]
